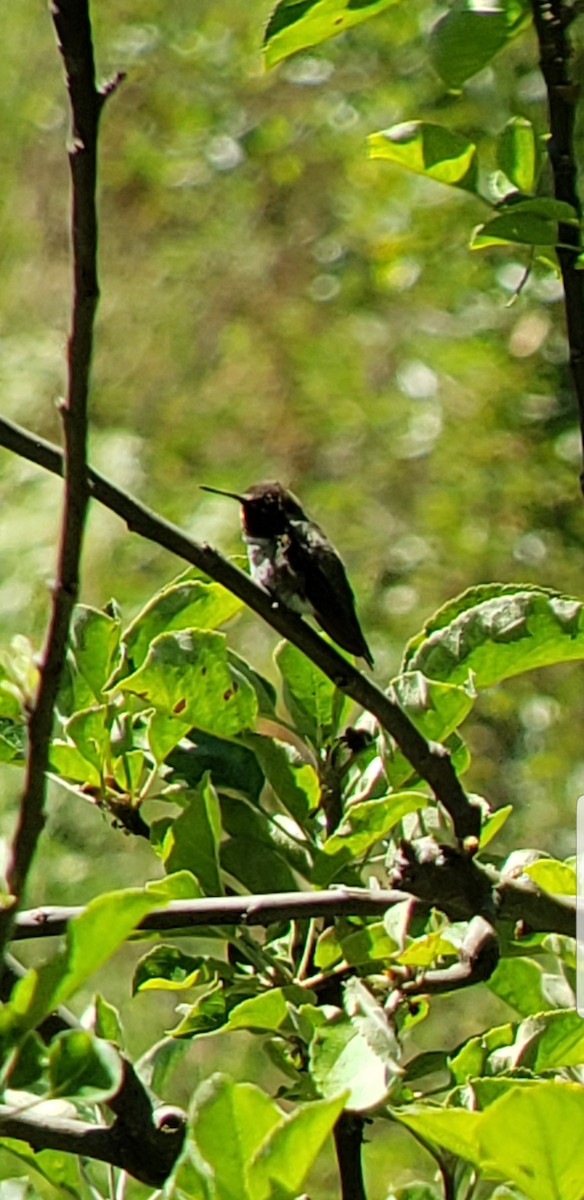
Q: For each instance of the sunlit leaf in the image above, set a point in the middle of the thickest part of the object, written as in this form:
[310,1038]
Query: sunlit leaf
[553,876]
[341,1059]
[519,982]
[506,632]
[187,675]
[493,823]
[517,153]
[297,24]
[186,604]
[435,708]
[366,823]
[529,1136]
[430,150]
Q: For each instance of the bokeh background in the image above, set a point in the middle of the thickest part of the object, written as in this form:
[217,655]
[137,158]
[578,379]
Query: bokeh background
[276,305]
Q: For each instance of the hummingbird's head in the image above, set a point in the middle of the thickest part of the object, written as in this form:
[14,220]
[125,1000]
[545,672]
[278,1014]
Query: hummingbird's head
[266,508]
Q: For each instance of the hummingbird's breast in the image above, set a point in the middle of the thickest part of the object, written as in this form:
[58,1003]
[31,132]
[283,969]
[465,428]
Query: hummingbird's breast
[270,568]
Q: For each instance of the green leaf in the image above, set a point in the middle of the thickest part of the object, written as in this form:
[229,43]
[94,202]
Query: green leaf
[423,951]
[13,740]
[185,604]
[533,220]
[369,822]
[553,1040]
[553,876]
[167,968]
[310,696]
[435,708]
[529,1136]
[91,940]
[268,1011]
[164,732]
[89,730]
[94,647]
[297,24]
[130,770]
[527,228]
[83,1066]
[29,1063]
[258,866]
[341,1059]
[469,35]
[517,153]
[372,1022]
[190,842]
[540,206]
[498,632]
[59,1169]
[456,1129]
[207,1015]
[242,820]
[107,1022]
[519,982]
[429,150]
[264,690]
[290,1149]
[471,1058]
[230,764]
[493,823]
[187,675]
[229,1122]
[294,782]
[157,1064]
[370,944]
[69,763]
[11,700]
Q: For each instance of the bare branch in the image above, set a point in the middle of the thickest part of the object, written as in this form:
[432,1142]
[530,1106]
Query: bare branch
[150,1159]
[550,24]
[431,762]
[478,957]
[348,1135]
[71,20]
[227,910]
[446,886]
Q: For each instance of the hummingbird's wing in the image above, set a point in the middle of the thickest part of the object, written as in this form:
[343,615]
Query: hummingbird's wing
[326,587]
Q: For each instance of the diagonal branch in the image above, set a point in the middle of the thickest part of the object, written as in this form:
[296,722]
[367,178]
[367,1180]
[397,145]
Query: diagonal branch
[431,762]
[72,25]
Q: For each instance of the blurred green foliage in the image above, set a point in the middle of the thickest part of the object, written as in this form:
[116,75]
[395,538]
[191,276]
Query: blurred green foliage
[275,304]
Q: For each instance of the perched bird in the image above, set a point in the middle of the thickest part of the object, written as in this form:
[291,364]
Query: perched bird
[290,556]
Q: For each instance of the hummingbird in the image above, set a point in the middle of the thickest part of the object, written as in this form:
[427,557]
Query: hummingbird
[291,557]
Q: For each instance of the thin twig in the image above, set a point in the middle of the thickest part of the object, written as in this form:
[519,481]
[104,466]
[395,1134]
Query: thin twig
[72,25]
[431,762]
[551,20]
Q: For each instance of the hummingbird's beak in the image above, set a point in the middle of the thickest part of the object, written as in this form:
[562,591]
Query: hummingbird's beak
[222,492]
